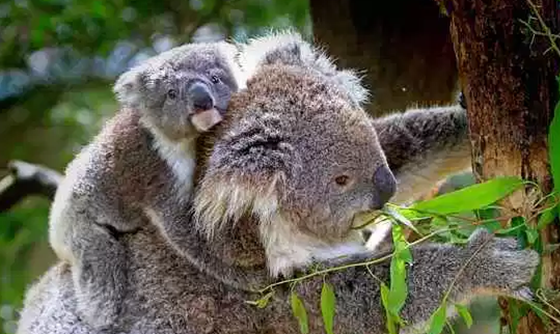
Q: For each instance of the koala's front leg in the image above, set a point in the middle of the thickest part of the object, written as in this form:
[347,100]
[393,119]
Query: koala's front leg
[486,266]
[99,260]
[423,146]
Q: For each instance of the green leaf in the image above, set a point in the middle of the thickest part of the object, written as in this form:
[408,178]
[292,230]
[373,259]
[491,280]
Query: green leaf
[298,309]
[532,235]
[438,320]
[396,214]
[398,289]
[384,295]
[390,321]
[470,198]
[554,148]
[465,314]
[520,225]
[546,217]
[515,316]
[328,300]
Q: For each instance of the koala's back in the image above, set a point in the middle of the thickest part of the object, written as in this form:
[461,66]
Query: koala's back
[166,294]
[108,181]
[50,305]
[120,161]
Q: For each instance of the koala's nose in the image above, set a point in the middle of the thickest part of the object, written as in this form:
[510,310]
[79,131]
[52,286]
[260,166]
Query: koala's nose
[201,97]
[385,186]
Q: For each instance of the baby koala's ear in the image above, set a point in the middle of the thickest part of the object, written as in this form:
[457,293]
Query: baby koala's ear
[127,87]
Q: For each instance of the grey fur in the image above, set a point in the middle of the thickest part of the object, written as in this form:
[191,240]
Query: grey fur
[259,205]
[143,159]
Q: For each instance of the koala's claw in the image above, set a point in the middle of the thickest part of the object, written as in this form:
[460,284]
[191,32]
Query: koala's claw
[524,294]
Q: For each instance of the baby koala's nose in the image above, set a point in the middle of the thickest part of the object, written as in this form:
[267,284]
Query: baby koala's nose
[385,186]
[201,97]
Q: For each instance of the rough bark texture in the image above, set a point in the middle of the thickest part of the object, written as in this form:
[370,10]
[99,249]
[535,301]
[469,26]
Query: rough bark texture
[509,84]
[403,47]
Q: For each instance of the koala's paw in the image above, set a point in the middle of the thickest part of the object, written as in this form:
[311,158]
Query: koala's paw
[500,266]
[483,238]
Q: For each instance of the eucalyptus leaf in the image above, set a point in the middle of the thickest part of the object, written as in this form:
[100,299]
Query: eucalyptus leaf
[465,314]
[515,314]
[402,255]
[470,198]
[554,148]
[532,235]
[437,321]
[546,217]
[397,215]
[328,301]
[298,310]
[390,321]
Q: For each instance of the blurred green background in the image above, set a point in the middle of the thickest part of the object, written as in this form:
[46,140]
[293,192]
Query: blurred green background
[58,59]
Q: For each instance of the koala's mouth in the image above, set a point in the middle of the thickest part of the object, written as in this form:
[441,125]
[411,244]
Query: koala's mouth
[365,219]
[222,111]
[204,120]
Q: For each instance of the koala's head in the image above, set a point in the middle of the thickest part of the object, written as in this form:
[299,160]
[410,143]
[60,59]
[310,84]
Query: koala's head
[296,151]
[174,89]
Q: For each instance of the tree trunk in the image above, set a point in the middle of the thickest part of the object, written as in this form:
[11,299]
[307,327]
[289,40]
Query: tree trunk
[403,45]
[510,88]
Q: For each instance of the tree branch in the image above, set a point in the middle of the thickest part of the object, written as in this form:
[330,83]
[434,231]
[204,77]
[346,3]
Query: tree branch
[27,179]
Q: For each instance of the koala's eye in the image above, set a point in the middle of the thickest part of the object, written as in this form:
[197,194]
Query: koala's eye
[215,79]
[172,94]
[342,180]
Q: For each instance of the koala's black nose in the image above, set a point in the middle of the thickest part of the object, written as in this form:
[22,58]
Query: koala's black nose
[200,96]
[385,186]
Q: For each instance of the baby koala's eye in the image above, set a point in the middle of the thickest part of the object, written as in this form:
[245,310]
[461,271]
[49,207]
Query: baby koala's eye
[342,180]
[215,79]
[172,94]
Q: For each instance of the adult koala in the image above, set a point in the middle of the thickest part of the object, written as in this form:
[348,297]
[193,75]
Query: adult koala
[282,178]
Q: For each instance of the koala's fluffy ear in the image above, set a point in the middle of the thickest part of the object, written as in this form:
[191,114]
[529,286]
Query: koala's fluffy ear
[127,87]
[351,83]
[289,48]
[231,53]
[286,47]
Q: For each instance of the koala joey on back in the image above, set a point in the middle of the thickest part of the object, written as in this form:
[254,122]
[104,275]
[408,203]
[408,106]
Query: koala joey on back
[140,165]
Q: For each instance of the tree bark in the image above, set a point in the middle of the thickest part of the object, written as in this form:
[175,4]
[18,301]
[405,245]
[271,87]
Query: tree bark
[404,47]
[510,89]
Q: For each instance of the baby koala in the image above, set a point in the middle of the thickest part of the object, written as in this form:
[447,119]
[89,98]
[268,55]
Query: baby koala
[139,169]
